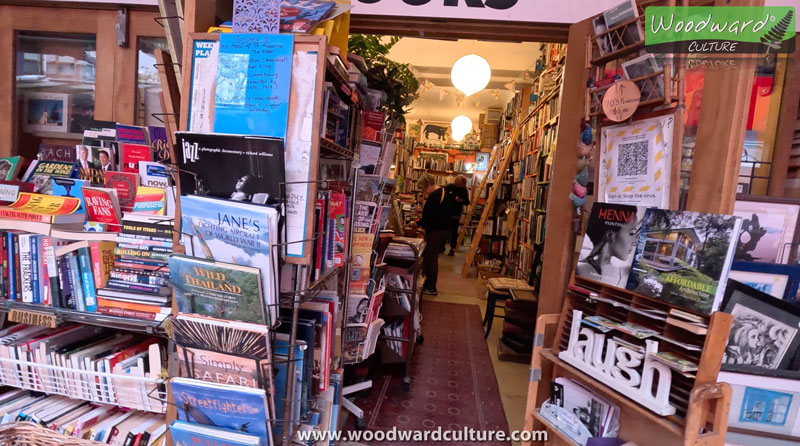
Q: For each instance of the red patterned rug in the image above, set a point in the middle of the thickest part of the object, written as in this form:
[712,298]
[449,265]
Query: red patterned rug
[453,384]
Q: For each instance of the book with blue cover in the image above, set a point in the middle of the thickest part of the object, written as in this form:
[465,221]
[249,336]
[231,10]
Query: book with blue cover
[239,409]
[187,434]
[69,187]
[281,362]
[234,232]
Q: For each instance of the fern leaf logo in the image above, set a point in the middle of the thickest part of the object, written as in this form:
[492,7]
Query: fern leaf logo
[774,37]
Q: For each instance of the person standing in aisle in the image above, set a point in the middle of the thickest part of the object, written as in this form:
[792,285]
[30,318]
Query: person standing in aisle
[459,197]
[436,218]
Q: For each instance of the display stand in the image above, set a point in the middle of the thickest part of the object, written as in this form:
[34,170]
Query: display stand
[693,398]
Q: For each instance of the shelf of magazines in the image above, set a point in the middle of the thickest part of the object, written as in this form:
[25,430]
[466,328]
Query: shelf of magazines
[131,387]
[37,314]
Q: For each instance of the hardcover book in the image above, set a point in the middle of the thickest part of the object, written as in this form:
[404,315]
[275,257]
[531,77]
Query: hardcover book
[683,258]
[239,168]
[216,289]
[233,338]
[158,143]
[125,183]
[187,434]
[69,187]
[609,243]
[56,152]
[216,367]
[233,232]
[131,154]
[240,409]
[301,16]
[9,167]
[150,200]
[43,171]
[131,133]
[102,207]
[153,174]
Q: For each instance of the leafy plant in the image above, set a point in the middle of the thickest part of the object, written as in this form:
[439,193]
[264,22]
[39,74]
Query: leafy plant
[393,78]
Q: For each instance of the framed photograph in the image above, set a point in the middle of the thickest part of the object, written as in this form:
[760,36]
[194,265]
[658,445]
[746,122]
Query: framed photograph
[642,66]
[46,112]
[765,334]
[763,404]
[772,284]
[769,228]
[482,161]
[762,273]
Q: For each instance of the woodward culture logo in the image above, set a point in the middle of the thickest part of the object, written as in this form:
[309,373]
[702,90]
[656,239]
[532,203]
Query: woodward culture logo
[720,29]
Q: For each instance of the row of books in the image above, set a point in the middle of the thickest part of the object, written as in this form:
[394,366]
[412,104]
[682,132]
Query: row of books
[579,413]
[83,362]
[84,420]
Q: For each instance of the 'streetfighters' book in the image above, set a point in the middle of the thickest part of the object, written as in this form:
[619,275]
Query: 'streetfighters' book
[609,243]
[233,232]
[239,168]
[683,258]
[216,289]
[240,409]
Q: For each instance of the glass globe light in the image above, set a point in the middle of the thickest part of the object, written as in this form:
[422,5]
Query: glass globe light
[471,74]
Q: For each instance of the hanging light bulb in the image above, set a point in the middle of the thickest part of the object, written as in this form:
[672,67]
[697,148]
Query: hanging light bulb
[461,125]
[458,137]
[471,74]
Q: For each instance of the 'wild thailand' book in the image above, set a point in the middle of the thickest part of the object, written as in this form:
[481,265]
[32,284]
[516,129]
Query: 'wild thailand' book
[609,243]
[239,168]
[216,289]
[683,258]
[233,232]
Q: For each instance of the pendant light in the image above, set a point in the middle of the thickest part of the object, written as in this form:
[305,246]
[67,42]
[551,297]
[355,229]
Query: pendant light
[461,125]
[471,74]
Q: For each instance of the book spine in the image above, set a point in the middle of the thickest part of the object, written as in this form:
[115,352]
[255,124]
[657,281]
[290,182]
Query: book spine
[12,267]
[142,272]
[148,229]
[136,287]
[26,278]
[35,269]
[147,279]
[96,258]
[18,269]
[4,265]
[123,312]
[144,247]
[87,280]
[139,253]
[25,216]
[75,281]
[144,240]
[110,303]
[139,263]
[48,271]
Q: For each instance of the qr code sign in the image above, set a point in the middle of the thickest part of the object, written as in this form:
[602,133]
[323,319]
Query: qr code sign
[632,159]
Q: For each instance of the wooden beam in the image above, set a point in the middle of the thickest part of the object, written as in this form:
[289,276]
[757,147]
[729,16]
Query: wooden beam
[787,120]
[476,196]
[559,238]
[490,199]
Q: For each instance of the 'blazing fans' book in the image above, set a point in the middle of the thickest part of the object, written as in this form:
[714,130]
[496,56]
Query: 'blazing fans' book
[239,168]
[683,258]
[233,232]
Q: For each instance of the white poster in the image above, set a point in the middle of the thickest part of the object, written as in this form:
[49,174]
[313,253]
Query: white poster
[205,54]
[635,162]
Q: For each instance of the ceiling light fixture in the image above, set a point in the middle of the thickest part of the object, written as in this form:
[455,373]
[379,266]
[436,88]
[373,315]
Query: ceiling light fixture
[471,74]
[461,125]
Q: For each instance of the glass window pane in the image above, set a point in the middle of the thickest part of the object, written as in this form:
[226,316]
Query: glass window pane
[148,85]
[55,85]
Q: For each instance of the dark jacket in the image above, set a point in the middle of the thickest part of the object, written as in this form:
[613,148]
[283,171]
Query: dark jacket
[458,197]
[437,211]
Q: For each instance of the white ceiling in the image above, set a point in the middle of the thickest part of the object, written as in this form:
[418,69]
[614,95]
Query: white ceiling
[432,60]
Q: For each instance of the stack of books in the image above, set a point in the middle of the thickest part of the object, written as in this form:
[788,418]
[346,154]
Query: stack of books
[138,285]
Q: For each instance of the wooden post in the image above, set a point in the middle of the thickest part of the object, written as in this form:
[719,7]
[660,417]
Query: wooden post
[787,120]
[474,199]
[559,238]
[490,199]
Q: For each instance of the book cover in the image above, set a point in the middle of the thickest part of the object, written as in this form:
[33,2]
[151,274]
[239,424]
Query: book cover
[45,204]
[45,170]
[301,16]
[12,266]
[150,200]
[233,338]
[10,167]
[158,143]
[373,125]
[216,289]
[9,190]
[216,367]
[238,168]
[102,254]
[187,434]
[69,187]
[363,239]
[36,268]
[233,232]
[131,154]
[87,279]
[683,258]
[26,267]
[153,174]
[337,225]
[125,183]
[131,134]
[56,152]
[94,160]
[102,207]
[236,408]
[609,243]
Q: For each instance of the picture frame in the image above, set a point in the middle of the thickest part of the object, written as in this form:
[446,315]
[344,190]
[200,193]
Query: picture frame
[778,397]
[482,161]
[772,284]
[792,272]
[46,112]
[765,334]
[643,66]
[769,229]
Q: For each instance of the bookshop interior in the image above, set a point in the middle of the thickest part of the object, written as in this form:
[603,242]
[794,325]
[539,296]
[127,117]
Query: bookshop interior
[475,222]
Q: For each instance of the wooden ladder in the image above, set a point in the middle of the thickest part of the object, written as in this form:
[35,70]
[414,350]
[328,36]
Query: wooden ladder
[475,197]
[492,196]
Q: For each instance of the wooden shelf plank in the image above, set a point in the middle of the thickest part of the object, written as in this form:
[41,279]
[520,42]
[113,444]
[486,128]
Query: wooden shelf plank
[553,429]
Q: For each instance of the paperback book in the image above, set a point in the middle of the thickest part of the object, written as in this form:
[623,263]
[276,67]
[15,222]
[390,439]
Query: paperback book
[683,258]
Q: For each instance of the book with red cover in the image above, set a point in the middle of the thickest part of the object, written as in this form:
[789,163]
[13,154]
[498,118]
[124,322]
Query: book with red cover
[125,183]
[131,154]
[372,126]
[337,223]
[102,255]
[102,207]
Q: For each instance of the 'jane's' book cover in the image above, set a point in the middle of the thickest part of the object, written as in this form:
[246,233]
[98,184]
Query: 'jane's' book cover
[233,232]
[683,258]
[240,409]
[217,289]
